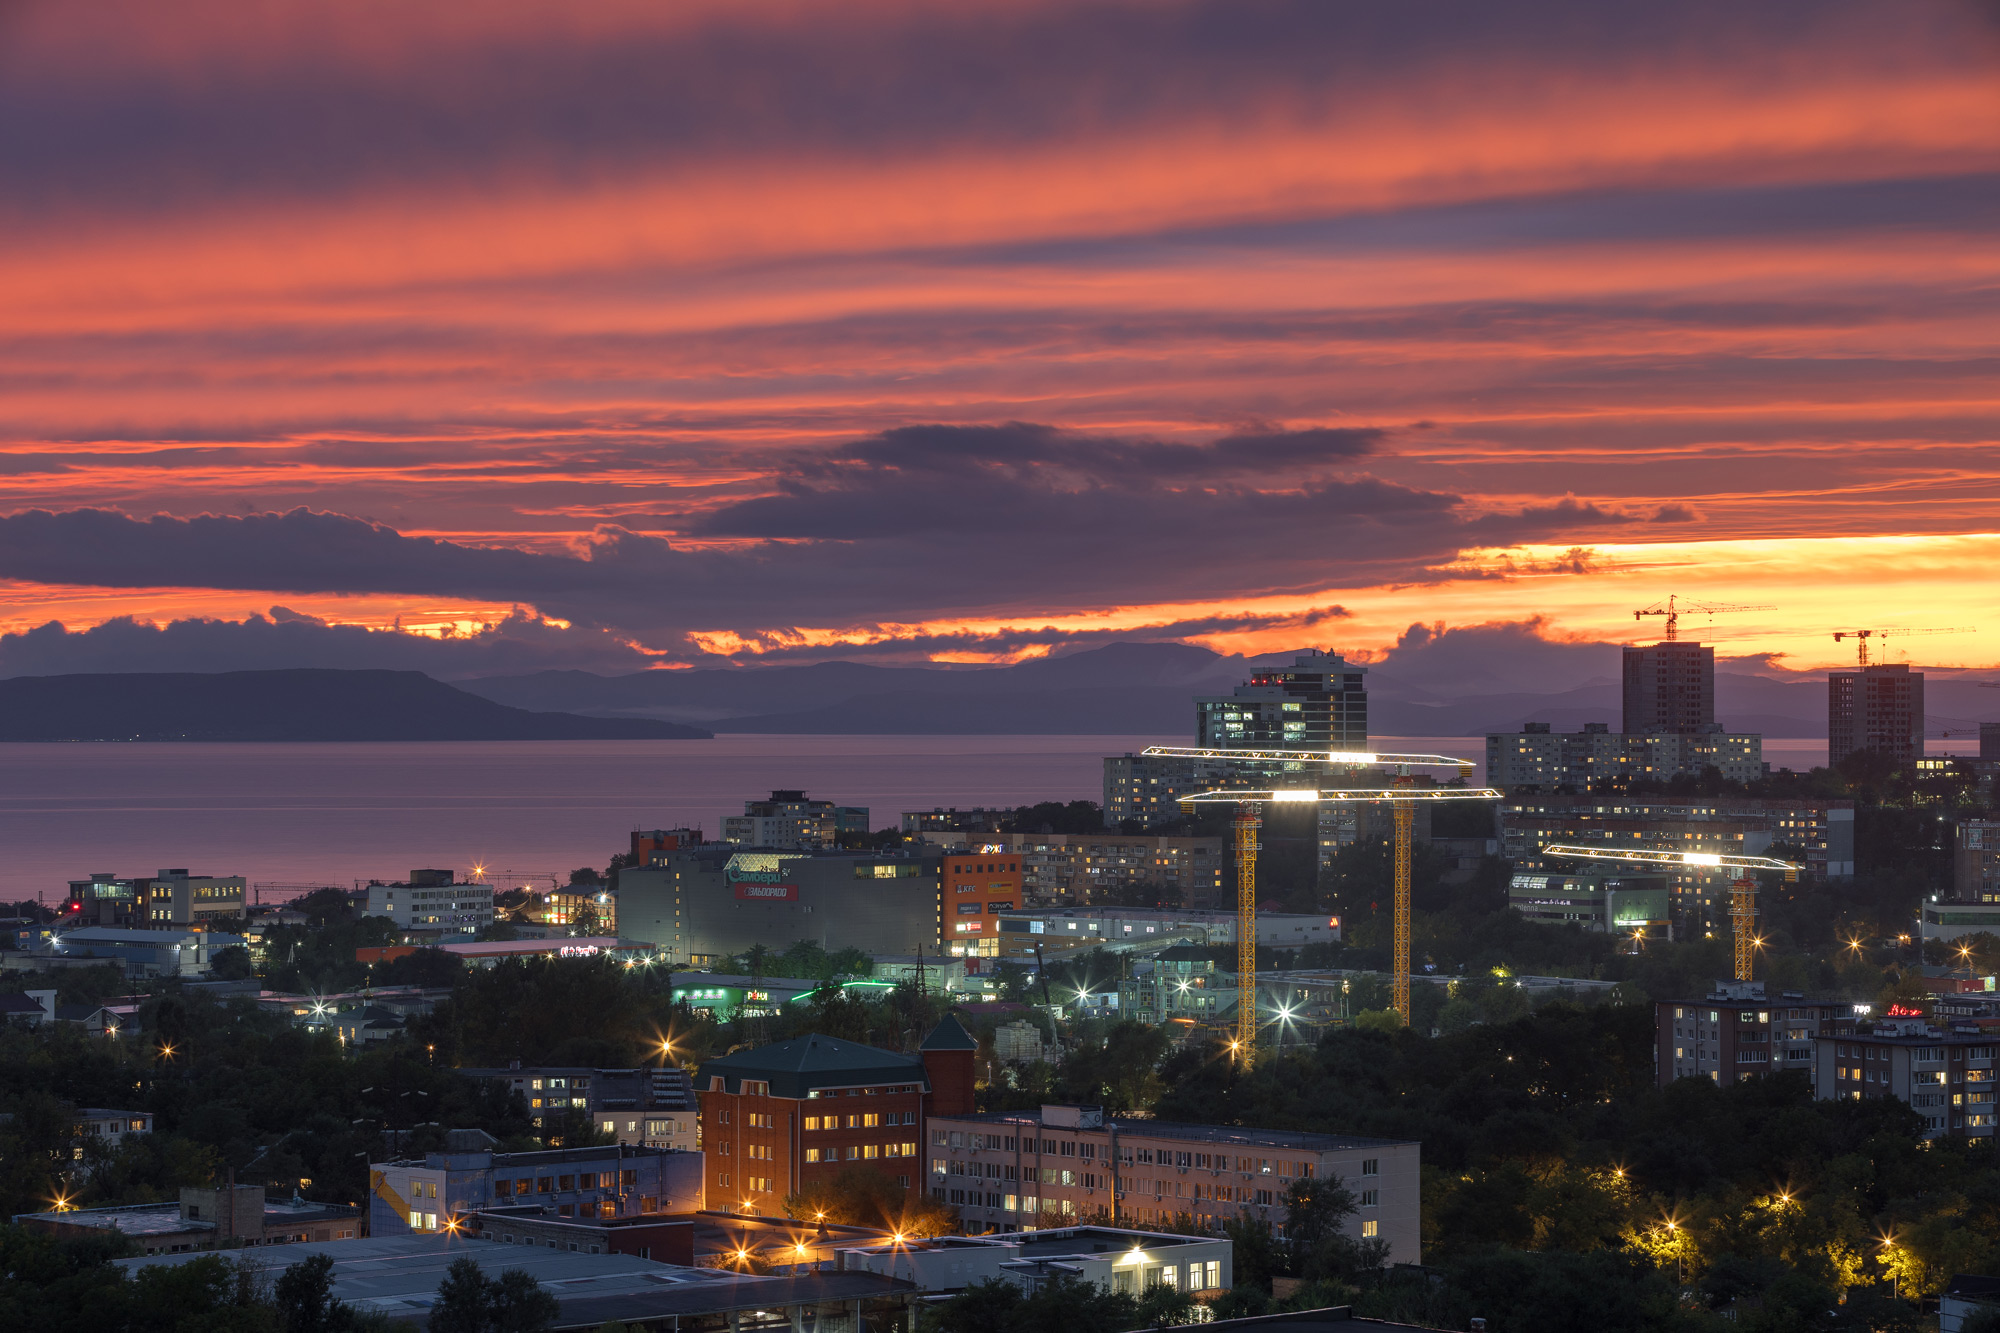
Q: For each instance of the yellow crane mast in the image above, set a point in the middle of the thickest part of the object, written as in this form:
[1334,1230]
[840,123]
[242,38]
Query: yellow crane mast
[1401,795]
[1742,891]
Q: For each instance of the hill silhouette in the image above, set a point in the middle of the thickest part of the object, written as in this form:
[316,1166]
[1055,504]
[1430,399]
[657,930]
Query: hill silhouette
[297,705]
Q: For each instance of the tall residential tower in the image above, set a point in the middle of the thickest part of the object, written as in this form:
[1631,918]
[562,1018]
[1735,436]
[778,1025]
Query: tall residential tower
[1669,689]
[1875,708]
[1317,703]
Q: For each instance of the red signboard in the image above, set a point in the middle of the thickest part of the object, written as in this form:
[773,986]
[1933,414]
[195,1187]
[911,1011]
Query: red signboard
[752,891]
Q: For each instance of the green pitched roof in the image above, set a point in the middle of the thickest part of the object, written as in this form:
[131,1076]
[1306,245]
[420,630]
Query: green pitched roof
[949,1035]
[805,1064]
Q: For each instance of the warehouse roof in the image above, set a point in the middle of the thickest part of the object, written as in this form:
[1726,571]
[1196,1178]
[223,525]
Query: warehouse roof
[399,1275]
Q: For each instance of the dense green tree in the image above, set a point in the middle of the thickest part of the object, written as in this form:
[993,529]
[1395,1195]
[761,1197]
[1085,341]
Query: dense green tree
[304,1296]
[1061,1305]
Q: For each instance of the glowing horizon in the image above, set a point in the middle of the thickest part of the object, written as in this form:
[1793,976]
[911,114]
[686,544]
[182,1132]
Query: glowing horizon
[646,339]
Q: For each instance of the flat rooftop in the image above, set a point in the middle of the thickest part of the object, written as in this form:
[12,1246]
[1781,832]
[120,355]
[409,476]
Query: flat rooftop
[514,1161]
[399,1275]
[1169,1129]
[144,1219]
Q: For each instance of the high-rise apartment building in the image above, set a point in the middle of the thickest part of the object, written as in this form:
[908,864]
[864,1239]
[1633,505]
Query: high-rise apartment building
[1669,689]
[1945,1075]
[789,820]
[1875,708]
[1736,1032]
[1815,830]
[1317,703]
[1546,760]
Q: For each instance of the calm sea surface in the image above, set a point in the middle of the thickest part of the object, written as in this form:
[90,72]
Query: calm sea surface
[290,815]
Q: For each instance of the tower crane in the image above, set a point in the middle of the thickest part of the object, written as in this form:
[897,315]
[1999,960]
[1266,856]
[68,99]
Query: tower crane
[1674,605]
[1742,891]
[1861,636]
[1402,794]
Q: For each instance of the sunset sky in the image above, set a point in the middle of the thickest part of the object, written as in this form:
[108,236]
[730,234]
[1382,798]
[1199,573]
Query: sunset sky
[616,335]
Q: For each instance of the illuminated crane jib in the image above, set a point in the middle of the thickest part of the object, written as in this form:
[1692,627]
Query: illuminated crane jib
[1402,795]
[1742,890]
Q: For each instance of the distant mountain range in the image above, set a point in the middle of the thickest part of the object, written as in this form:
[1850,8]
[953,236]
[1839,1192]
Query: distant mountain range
[303,705]
[1128,689]
[1124,689]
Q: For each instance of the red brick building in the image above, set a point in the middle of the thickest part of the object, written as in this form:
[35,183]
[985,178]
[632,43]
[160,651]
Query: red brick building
[780,1117]
[974,887]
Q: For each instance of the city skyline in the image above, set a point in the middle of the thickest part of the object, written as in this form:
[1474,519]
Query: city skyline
[713,335]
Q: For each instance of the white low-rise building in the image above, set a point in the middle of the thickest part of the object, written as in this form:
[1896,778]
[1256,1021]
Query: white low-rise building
[1114,1258]
[434,902]
[1028,1170]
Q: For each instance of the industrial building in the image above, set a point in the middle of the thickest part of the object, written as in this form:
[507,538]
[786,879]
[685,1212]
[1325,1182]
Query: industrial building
[1545,760]
[1114,1258]
[1317,703]
[1601,903]
[1669,689]
[780,1117]
[398,1276]
[1175,985]
[1878,708]
[226,1217]
[698,905]
[140,952]
[425,1194]
[1012,1171]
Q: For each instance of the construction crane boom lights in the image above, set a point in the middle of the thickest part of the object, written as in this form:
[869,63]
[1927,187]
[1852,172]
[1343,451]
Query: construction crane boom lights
[1249,801]
[1653,856]
[1742,891]
[1358,758]
[1302,795]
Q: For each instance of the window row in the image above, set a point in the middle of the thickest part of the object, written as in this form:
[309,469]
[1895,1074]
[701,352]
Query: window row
[861,1152]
